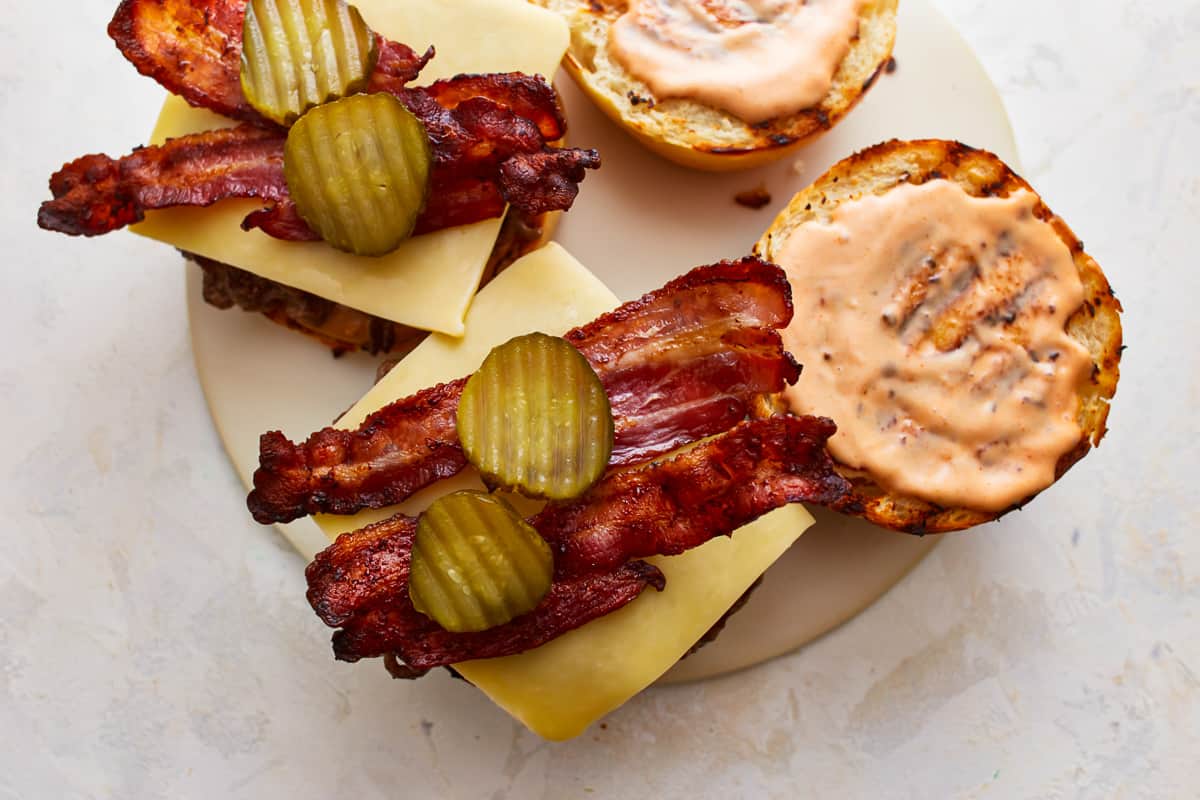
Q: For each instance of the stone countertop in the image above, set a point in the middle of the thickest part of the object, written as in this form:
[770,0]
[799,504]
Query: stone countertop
[155,643]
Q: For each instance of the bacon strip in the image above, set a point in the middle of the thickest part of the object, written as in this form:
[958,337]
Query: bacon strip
[669,507]
[397,65]
[97,194]
[398,450]
[477,124]
[363,568]
[360,582]
[193,48]
[681,363]
[658,508]
[689,359]
[471,142]
[527,96]
[547,180]
[425,645]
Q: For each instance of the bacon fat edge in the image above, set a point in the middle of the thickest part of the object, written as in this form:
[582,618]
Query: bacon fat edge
[359,583]
[684,362]
[490,135]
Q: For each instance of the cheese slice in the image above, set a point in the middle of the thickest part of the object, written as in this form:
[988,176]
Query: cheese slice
[562,687]
[429,281]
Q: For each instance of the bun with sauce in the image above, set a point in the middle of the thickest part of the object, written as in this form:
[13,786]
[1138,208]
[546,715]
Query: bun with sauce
[693,125]
[1024,336]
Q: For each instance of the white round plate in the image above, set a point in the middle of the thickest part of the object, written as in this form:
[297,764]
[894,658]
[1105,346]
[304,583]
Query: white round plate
[638,222]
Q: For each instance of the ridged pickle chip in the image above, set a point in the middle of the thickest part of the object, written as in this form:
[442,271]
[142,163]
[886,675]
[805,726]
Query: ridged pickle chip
[476,564]
[535,418]
[358,171]
[298,54]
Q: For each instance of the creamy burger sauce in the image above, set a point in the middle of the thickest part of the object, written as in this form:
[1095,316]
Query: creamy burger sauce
[931,328]
[756,59]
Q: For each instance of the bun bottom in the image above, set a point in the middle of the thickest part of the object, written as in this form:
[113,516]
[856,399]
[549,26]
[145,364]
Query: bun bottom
[700,136]
[1096,324]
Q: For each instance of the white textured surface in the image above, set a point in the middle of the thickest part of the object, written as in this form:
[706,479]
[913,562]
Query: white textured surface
[154,643]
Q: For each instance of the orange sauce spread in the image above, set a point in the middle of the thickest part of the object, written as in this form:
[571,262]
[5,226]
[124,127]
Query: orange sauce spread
[931,326]
[756,59]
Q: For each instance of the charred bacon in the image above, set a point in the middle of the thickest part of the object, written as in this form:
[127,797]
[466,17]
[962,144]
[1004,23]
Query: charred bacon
[359,583]
[684,362]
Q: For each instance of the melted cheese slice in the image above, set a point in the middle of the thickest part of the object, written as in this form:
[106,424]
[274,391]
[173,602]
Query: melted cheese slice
[562,687]
[429,281]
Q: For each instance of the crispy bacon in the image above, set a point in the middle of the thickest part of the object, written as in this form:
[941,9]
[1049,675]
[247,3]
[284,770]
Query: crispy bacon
[397,628]
[398,450]
[97,194]
[477,124]
[690,359]
[193,48]
[669,507]
[397,65]
[360,582]
[471,142]
[658,508]
[461,200]
[527,96]
[547,180]
[681,363]
[282,221]
[473,136]
[363,568]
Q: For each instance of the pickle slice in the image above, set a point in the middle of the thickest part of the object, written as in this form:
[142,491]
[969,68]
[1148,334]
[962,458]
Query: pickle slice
[476,564]
[358,172]
[297,54]
[535,418]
